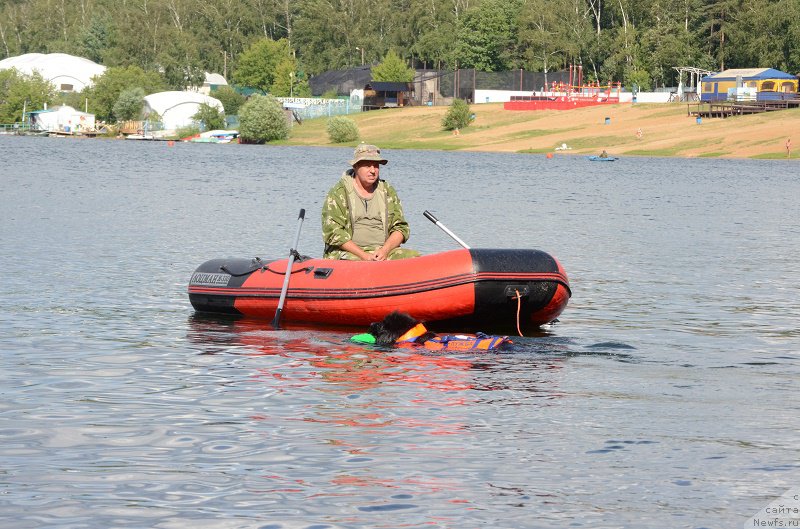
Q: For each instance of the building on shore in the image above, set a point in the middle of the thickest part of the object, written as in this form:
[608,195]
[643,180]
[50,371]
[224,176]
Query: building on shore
[212,82]
[177,109]
[67,73]
[62,119]
[760,84]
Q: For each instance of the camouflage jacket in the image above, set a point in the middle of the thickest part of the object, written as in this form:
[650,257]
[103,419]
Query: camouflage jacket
[337,224]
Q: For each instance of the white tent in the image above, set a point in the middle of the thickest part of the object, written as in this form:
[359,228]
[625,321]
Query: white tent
[177,108]
[215,79]
[66,72]
[212,81]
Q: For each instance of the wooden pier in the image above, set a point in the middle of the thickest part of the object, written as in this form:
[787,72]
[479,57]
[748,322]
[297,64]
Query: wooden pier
[724,109]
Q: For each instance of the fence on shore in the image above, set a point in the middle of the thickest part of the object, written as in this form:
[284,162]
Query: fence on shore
[724,109]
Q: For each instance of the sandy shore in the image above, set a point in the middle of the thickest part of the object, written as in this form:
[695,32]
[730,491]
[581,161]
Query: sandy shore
[666,130]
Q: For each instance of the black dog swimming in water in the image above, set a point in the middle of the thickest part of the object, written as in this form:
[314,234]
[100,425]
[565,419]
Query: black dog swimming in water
[395,325]
[401,329]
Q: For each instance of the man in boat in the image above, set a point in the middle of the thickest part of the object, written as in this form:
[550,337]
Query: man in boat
[604,154]
[362,217]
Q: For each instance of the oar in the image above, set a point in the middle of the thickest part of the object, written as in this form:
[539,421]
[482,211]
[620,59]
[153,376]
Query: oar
[292,252]
[430,217]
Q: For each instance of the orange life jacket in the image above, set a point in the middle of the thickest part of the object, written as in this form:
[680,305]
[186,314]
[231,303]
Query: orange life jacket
[454,342]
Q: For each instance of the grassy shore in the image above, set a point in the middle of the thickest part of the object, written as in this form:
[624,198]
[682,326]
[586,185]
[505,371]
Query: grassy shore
[666,130]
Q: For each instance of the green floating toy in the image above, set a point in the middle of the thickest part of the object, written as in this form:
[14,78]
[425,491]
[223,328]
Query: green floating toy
[363,338]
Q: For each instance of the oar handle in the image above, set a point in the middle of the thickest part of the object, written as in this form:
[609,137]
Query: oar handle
[432,218]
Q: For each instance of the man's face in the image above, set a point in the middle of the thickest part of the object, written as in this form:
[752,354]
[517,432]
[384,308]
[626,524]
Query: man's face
[367,172]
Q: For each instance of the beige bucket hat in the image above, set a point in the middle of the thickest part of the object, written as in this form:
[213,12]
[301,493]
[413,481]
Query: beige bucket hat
[366,152]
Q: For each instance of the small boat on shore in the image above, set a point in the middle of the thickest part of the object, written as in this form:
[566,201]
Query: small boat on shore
[216,136]
[482,289]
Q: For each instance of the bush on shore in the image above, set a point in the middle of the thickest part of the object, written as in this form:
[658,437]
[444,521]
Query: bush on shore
[210,117]
[129,104]
[262,120]
[457,117]
[342,129]
[187,132]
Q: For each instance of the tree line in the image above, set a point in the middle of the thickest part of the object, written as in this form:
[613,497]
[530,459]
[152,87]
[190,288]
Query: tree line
[633,41]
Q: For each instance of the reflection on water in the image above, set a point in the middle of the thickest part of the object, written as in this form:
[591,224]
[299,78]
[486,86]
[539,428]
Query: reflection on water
[364,410]
[663,398]
[348,366]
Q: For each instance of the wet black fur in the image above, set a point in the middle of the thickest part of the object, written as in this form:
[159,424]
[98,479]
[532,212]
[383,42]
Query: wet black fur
[393,326]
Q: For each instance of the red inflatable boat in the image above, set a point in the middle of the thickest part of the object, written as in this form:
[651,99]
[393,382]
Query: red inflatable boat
[478,288]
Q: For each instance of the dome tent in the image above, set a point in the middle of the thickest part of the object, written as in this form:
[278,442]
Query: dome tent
[177,108]
[212,82]
[66,72]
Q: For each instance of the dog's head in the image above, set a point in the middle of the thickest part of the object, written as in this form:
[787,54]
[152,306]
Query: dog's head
[392,327]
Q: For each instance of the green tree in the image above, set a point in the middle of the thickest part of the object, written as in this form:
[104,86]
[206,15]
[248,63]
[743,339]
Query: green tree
[182,39]
[20,92]
[107,87]
[231,99]
[181,72]
[288,82]
[256,67]
[228,27]
[392,69]
[337,34]
[70,99]
[792,36]
[210,117]
[301,86]
[432,28]
[325,34]
[94,39]
[138,33]
[719,15]
[487,36]
[638,77]
[129,104]
[435,46]
[261,120]
[546,40]
[762,34]
[180,63]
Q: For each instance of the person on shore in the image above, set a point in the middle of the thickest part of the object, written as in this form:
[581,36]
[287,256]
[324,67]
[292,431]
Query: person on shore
[788,147]
[362,217]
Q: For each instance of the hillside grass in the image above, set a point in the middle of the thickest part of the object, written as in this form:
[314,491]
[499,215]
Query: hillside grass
[667,130]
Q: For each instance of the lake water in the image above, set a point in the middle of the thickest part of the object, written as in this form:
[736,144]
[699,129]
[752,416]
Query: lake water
[666,397]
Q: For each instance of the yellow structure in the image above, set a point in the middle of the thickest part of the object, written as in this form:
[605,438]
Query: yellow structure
[768,83]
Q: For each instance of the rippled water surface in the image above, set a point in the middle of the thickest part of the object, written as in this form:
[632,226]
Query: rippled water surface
[667,395]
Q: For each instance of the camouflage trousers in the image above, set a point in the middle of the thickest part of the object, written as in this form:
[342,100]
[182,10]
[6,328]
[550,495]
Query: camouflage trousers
[397,253]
